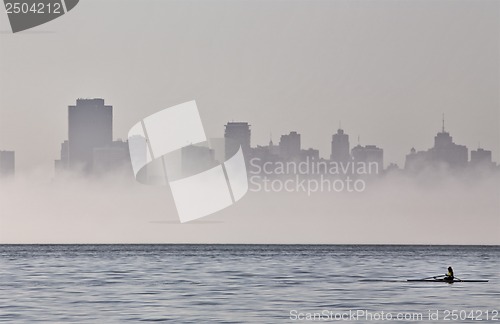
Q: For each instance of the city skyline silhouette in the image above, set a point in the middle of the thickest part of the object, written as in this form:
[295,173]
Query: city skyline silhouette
[91,146]
[388,74]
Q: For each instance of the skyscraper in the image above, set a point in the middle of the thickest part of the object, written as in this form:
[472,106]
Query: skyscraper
[90,126]
[445,152]
[7,163]
[237,134]
[62,163]
[115,155]
[90,146]
[340,147]
[481,157]
[289,146]
[369,154]
[309,155]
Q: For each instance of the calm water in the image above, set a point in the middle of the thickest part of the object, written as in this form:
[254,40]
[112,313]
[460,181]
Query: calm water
[238,283]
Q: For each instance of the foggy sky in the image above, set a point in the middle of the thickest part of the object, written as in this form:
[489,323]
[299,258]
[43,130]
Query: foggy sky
[386,69]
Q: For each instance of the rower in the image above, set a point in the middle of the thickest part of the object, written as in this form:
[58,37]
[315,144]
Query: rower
[449,276]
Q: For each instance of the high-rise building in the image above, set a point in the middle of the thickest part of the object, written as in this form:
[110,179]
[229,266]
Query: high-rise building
[481,157]
[90,126]
[90,146]
[111,157]
[273,149]
[289,146]
[309,155]
[369,154]
[415,161]
[62,163]
[265,154]
[7,163]
[340,147]
[237,134]
[445,152]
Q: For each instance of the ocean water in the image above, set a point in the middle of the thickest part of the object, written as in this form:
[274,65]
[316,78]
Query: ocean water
[246,283]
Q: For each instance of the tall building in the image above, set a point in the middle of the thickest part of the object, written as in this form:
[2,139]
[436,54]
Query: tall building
[90,146]
[273,149]
[62,163]
[289,146]
[445,152]
[7,163]
[340,147]
[237,134]
[265,154]
[416,160]
[481,157]
[309,155]
[108,158]
[369,154]
[90,126]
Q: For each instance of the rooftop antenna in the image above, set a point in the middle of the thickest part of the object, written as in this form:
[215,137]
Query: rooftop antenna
[358,141]
[340,124]
[443,122]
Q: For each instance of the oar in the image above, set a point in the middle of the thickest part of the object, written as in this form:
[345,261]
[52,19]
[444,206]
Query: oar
[433,277]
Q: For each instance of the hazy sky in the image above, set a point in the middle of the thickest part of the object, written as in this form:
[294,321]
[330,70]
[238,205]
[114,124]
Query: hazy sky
[386,69]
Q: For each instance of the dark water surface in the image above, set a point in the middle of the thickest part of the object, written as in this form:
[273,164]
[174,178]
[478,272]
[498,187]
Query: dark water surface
[243,283]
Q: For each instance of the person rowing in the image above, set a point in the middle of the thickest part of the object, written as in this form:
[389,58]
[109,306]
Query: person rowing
[449,275]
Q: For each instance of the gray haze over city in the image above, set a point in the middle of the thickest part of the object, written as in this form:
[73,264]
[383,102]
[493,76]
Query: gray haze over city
[387,70]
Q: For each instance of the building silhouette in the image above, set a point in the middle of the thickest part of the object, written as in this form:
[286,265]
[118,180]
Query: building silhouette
[309,155]
[90,126]
[7,163]
[340,147]
[368,154]
[265,154]
[63,162]
[444,153]
[108,158]
[481,158]
[289,146]
[90,146]
[237,134]
[273,149]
